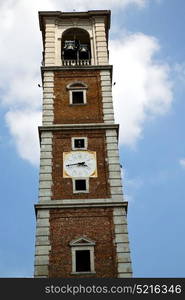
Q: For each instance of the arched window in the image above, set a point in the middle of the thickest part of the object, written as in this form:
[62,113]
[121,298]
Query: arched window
[76,48]
[77,93]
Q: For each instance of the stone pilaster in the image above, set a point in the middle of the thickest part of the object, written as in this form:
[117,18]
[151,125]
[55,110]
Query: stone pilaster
[48,98]
[106,88]
[45,180]
[50,43]
[42,245]
[122,243]
[101,42]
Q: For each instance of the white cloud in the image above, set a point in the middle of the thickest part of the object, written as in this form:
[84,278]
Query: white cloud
[98,4]
[182,162]
[21,49]
[23,128]
[143,88]
[20,58]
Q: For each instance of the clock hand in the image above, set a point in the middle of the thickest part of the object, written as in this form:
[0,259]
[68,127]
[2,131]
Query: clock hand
[71,165]
[82,163]
[78,164]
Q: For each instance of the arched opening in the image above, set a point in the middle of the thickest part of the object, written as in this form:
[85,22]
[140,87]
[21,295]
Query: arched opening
[76,49]
[77,92]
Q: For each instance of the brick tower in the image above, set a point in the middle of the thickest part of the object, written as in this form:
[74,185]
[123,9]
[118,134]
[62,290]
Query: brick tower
[81,214]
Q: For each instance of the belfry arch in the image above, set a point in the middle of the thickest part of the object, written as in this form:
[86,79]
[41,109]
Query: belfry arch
[75,47]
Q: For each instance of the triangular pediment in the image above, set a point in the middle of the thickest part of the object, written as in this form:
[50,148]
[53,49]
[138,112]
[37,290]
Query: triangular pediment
[77,84]
[82,241]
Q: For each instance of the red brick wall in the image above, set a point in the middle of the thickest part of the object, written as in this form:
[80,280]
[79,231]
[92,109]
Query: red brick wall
[62,187]
[64,113]
[69,224]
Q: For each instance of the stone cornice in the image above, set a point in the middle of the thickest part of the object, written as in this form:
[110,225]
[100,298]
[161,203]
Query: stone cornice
[57,204]
[82,68]
[63,15]
[64,68]
[85,126]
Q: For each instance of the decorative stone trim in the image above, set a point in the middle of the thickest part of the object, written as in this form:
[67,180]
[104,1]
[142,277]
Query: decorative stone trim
[89,67]
[85,126]
[48,95]
[100,38]
[122,243]
[61,204]
[106,87]
[82,243]
[45,180]
[107,105]
[42,244]
[74,138]
[50,42]
[114,164]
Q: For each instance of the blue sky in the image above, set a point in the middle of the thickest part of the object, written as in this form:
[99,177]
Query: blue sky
[147,51]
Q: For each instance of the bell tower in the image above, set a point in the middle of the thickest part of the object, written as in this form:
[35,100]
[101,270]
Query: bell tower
[81,228]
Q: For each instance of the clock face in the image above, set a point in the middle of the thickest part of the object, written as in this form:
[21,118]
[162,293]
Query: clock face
[79,164]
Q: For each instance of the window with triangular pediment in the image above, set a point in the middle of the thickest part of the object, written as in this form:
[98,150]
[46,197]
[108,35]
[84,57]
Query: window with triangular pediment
[82,251]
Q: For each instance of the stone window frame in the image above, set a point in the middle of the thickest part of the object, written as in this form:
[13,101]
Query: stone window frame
[78,244]
[80,191]
[77,86]
[76,138]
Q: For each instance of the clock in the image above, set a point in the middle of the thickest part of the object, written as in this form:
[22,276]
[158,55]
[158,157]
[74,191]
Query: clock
[79,164]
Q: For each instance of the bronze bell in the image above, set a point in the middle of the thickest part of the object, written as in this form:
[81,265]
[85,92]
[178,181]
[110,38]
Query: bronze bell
[69,45]
[83,48]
